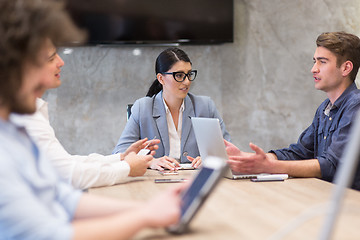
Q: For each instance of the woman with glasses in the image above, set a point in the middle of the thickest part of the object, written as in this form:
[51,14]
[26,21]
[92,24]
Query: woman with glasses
[165,113]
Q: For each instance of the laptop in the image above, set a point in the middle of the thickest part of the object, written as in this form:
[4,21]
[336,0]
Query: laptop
[210,143]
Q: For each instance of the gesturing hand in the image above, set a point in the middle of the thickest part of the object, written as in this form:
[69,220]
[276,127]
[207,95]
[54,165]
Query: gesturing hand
[232,150]
[138,145]
[258,162]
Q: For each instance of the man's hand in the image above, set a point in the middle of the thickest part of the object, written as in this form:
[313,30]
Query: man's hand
[138,145]
[165,209]
[252,163]
[138,164]
[232,150]
[261,162]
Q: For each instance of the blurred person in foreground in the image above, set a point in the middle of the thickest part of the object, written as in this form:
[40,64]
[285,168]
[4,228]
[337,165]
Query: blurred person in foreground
[35,203]
[93,170]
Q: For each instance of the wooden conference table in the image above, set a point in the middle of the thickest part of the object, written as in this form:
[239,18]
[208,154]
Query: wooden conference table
[241,209]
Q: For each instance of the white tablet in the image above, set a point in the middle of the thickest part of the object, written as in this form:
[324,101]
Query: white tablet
[202,185]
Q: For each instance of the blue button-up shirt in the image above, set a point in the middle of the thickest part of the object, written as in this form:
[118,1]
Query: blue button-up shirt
[34,202]
[326,137]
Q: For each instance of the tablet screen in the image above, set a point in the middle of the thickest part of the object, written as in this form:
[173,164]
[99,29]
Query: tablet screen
[195,188]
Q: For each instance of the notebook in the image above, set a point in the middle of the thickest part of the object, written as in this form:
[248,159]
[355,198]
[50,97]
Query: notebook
[210,143]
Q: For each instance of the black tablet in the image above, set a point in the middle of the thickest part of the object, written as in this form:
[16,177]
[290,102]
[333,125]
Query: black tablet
[194,196]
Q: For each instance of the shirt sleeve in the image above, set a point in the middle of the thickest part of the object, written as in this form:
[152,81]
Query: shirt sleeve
[29,214]
[96,170]
[82,172]
[332,157]
[303,149]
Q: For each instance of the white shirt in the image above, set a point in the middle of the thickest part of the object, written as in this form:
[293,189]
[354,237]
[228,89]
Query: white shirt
[82,172]
[174,135]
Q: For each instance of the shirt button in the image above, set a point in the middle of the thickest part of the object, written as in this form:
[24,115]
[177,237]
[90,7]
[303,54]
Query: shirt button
[330,118]
[185,154]
[324,137]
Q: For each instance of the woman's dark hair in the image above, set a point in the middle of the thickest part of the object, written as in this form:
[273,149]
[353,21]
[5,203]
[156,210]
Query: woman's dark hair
[164,62]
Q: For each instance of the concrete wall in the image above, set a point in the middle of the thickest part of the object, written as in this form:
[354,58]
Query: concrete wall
[261,83]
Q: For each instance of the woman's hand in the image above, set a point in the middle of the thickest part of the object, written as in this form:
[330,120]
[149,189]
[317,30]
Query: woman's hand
[195,162]
[164,163]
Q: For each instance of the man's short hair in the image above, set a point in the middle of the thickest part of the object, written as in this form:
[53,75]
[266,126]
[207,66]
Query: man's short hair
[24,27]
[345,46]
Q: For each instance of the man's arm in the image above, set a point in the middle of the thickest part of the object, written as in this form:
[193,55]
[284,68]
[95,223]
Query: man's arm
[261,162]
[93,170]
[91,205]
[296,168]
[99,218]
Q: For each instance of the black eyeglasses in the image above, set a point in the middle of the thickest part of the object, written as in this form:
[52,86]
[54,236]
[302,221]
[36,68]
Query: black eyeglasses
[180,76]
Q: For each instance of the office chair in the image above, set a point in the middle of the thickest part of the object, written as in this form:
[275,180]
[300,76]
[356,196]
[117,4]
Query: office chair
[128,110]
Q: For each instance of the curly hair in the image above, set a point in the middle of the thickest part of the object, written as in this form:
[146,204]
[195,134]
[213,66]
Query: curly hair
[24,27]
[345,46]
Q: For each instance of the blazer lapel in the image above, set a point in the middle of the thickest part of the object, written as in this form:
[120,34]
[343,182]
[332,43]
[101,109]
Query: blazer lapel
[159,116]
[186,121]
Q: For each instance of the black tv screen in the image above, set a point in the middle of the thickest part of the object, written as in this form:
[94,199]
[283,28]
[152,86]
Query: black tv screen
[154,21]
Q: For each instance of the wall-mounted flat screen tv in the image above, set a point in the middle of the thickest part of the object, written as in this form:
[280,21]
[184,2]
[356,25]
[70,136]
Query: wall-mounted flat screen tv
[154,21]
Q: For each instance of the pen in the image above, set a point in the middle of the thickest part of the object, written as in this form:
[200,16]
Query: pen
[170,180]
[149,143]
[144,151]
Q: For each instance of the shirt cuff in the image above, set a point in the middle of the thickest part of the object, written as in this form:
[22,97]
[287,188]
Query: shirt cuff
[113,157]
[123,170]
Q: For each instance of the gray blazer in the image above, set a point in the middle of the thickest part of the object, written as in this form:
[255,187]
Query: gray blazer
[148,119]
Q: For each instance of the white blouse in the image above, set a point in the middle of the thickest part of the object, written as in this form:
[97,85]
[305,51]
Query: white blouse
[174,135]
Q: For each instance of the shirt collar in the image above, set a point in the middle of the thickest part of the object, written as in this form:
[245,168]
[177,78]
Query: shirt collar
[11,127]
[167,110]
[182,107]
[42,107]
[343,96]
[328,108]
[40,103]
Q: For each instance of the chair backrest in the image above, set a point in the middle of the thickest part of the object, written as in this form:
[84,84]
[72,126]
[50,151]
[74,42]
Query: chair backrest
[128,110]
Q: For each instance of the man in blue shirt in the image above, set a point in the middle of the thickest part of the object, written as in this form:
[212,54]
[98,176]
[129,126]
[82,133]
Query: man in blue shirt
[34,202]
[319,148]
